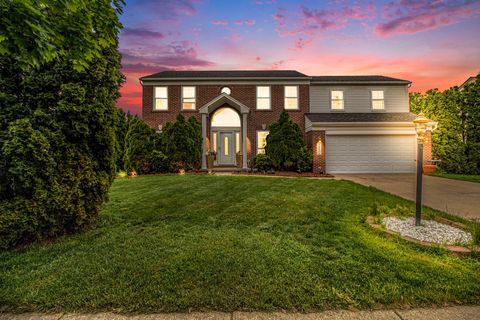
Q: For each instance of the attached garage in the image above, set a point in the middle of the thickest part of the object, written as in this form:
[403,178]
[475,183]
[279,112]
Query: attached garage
[370,153]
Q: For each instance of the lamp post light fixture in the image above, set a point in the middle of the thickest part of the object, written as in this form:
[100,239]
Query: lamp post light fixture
[421,124]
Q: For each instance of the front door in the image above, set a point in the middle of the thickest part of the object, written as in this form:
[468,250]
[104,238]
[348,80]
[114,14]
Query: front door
[226,149]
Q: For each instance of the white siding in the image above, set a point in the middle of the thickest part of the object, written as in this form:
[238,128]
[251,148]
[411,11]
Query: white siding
[358,98]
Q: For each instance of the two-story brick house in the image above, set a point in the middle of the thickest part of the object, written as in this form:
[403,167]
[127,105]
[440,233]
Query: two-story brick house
[351,123]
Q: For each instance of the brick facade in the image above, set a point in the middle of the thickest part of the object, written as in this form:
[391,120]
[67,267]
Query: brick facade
[316,143]
[244,93]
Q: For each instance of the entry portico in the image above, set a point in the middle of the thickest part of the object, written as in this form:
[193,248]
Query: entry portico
[225,101]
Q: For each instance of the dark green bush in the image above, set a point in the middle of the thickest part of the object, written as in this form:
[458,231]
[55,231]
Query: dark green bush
[262,162]
[158,162]
[57,138]
[305,160]
[181,141]
[286,147]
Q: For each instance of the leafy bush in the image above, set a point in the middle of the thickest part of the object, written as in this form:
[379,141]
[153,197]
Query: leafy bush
[158,162]
[182,142]
[305,160]
[286,147]
[262,162]
[57,138]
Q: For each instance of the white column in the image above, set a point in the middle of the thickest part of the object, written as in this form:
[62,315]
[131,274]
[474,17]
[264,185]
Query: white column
[204,144]
[244,140]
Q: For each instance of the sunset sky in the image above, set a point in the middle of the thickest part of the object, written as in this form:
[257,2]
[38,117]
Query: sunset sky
[435,44]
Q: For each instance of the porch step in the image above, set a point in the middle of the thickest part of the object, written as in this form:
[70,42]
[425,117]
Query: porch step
[226,169]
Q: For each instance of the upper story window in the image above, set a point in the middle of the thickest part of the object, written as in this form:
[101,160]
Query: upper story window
[263,97]
[261,141]
[378,101]
[291,97]
[337,102]
[226,90]
[161,98]
[188,98]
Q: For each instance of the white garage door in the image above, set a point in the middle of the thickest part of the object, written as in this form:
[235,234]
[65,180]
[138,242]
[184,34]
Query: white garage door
[370,153]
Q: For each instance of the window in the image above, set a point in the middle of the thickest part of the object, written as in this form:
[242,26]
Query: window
[226,90]
[188,98]
[261,141]
[237,142]
[161,98]
[337,100]
[263,98]
[215,141]
[291,97]
[378,101]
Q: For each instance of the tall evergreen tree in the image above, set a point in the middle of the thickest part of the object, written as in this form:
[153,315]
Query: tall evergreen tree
[57,138]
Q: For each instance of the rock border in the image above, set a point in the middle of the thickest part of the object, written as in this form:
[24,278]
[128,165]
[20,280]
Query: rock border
[455,250]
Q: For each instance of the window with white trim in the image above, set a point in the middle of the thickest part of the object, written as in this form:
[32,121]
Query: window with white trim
[291,97]
[263,98]
[188,98]
[161,98]
[337,102]
[378,101]
[261,141]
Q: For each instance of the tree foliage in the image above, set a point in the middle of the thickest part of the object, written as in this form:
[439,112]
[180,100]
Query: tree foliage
[456,141]
[57,137]
[34,32]
[286,147]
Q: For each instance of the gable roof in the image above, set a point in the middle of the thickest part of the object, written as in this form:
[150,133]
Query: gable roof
[225,74]
[357,79]
[361,117]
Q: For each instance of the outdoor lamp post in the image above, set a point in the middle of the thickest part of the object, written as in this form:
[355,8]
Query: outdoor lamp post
[421,128]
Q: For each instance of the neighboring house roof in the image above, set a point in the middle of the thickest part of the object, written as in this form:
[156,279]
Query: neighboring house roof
[357,79]
[225,74]
[361,117]
[468,81]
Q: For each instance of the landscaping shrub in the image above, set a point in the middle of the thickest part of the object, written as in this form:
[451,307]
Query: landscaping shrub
[262,162]
[286,147]
[158,162]
[182,142]
[57,138]
[305,160]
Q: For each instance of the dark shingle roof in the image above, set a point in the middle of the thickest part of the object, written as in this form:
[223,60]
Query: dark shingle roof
[225,74]
[361,117]
[350,79]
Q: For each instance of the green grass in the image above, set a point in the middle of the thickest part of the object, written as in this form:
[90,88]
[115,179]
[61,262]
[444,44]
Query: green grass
[168,243]
[464,177]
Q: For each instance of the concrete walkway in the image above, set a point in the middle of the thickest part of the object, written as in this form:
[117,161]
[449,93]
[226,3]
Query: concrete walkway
[457,313]
[457,197]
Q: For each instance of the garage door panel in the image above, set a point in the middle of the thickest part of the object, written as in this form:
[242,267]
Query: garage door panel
[370,153]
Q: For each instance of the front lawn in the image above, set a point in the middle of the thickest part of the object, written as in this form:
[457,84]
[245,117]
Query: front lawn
[167,243]
[464,177]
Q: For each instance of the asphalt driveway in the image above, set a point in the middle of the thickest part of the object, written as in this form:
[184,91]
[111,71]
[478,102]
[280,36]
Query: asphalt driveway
[457,197]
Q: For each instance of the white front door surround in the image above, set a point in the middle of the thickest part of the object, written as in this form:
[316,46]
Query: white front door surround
[208,108]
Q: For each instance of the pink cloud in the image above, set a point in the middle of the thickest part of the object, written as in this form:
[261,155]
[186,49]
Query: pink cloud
[249,22]
[408,16]
[220,22]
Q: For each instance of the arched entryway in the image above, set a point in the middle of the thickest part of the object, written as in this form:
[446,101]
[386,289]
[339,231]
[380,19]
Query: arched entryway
[227,119]
[225,135]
